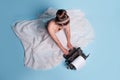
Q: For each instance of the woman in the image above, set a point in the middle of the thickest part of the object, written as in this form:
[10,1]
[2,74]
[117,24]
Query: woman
[61,21]
[41,52]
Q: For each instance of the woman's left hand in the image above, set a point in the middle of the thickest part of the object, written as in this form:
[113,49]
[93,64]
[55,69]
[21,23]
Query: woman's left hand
[69,45]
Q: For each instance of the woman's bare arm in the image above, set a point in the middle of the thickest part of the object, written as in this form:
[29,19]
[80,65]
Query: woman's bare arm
[67,31]
[54,37]
[68,34]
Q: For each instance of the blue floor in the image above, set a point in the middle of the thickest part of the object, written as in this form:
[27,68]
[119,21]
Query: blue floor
[103,64]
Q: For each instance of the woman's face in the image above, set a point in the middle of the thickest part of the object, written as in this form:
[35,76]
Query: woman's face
[64,23]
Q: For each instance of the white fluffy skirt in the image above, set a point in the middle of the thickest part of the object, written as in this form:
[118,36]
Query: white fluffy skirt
[41,52]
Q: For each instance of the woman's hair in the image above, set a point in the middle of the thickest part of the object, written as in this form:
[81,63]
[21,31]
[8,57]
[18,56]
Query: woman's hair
[61,17]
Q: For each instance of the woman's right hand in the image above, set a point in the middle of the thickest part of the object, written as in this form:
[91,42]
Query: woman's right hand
[65,51]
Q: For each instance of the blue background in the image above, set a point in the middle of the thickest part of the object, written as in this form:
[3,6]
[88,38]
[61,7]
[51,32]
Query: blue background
[103,64]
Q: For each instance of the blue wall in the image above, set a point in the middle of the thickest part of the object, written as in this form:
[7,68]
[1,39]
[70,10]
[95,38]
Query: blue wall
[103,64]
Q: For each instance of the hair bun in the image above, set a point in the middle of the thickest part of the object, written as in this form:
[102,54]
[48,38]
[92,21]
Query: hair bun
[61,13]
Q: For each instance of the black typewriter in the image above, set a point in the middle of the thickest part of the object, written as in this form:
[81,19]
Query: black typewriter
[73,55]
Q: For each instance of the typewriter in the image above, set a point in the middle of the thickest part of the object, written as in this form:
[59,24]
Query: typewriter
[75,59]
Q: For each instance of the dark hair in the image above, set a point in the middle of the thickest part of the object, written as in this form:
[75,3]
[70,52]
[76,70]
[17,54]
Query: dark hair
[61,15]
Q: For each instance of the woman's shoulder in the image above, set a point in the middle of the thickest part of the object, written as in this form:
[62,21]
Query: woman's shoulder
[51,23]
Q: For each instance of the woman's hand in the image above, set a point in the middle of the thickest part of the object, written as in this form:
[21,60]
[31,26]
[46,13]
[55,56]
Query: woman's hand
[65,51]
[69,45]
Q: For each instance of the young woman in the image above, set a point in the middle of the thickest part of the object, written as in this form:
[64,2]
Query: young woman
[41,51]
[61,21]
